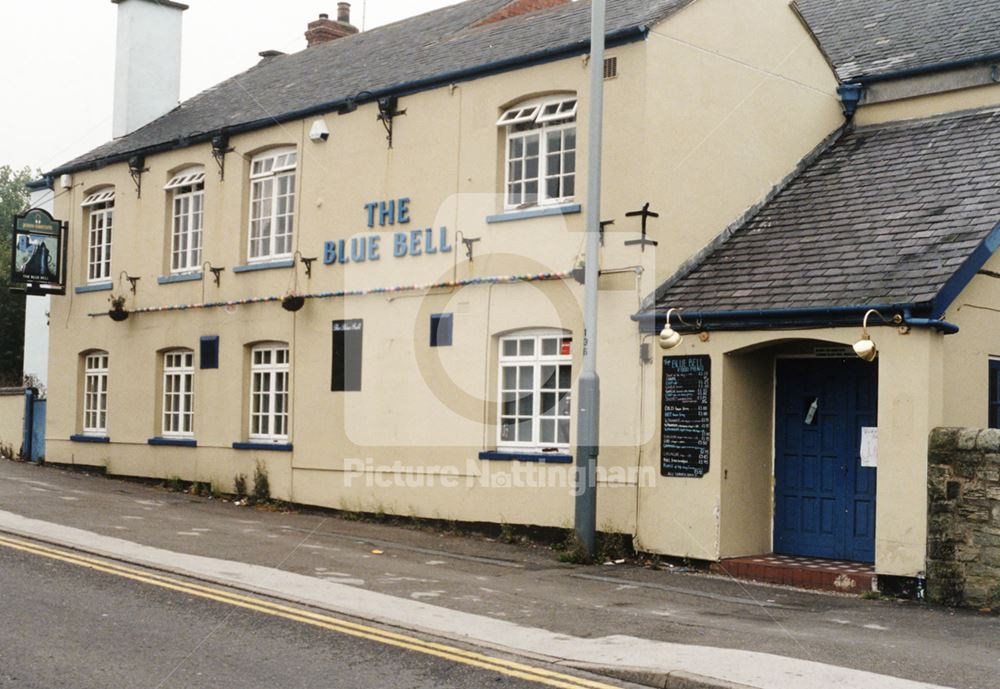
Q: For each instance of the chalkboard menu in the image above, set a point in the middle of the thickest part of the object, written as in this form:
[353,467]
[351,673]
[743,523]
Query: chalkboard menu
[686,407]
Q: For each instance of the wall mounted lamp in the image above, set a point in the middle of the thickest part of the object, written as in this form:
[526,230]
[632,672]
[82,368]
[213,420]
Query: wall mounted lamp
[220,147]
[670,338]
[307,262]
[216,272]
[136,166]
[387,109]
[865,348]
[133,280]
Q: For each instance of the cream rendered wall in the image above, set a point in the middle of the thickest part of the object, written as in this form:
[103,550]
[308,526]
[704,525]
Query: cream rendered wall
[928,106]
[976,311]
[909,399]
[421,408]
[12,420]
[738,95]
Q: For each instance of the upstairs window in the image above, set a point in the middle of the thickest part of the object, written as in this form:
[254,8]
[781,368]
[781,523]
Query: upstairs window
[99,208]
[535,382]
[178,394]
[187,190]
[540,152]
[95,394]
[272,204]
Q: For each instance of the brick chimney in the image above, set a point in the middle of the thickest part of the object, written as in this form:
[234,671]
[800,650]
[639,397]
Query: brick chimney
[519,7]
[324,29]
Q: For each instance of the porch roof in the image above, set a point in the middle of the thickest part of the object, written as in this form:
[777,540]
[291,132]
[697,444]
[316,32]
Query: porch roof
[898,216]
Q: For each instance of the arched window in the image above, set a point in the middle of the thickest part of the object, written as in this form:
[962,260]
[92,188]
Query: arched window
[99,207]
[540,151]
[535,381]
[272,204]
[187,190]
[95,393]
[178,393]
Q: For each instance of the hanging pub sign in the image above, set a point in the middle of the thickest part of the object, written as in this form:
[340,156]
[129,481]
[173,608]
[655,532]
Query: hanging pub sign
[38,259]
[686,413]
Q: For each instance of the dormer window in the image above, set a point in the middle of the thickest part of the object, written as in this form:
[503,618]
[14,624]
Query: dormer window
[187,190]
[540,152]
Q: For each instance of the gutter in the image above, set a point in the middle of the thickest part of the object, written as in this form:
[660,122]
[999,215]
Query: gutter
[615,38]
[926,69]
[790,318]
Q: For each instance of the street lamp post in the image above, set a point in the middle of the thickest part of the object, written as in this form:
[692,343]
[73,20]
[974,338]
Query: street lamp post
[589,394]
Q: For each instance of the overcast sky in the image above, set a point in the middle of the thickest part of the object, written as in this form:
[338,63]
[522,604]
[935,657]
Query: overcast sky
[58,61]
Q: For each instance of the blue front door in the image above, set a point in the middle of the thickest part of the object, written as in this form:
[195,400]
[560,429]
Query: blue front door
[824,499]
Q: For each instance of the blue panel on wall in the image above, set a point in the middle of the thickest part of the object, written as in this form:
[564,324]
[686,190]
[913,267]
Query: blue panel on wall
[441,329]
[210,351]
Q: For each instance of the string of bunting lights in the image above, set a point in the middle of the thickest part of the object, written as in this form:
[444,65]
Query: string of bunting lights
[490,280]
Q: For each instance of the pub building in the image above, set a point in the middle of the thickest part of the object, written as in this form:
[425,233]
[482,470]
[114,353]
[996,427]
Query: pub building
[354,263]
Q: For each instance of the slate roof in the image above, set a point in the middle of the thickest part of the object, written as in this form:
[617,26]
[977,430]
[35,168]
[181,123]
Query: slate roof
[429,49]
[866,38]
[886,215]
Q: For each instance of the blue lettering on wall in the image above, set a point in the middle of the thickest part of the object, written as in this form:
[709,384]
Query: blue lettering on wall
[359,249]
[400,243]
[366,247]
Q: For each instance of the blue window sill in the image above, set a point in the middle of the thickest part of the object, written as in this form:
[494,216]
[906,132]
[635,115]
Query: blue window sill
[174,442]
[539,212]
[268,265]
[183,277]
[96,287]
[513,456]
[89,439]
[272,447]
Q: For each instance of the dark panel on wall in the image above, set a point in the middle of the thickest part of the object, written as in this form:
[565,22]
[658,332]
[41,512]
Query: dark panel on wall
[441,329]
[686,408]
[209,354]
[346,375]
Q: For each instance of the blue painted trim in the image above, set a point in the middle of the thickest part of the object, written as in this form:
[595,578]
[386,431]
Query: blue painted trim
[273,447]
[539,212]
[174,442]
[89,439]
[96,287]
[542,457]
[961,278]
[269,265]
[183,277]
[630,34]
[753,319]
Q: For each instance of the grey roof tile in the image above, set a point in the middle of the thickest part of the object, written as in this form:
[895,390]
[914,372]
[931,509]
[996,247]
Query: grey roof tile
[882,246]
[419,49]
[866,38]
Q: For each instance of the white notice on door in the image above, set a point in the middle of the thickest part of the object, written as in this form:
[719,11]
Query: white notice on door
[869,446]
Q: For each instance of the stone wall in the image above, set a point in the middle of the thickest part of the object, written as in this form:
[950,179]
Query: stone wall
[11,420]
[963,549]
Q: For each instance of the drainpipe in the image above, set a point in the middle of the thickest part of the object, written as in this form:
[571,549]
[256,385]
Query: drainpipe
[850,98]
[936,323]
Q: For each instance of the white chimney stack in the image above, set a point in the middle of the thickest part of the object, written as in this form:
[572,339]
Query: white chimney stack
[147,62]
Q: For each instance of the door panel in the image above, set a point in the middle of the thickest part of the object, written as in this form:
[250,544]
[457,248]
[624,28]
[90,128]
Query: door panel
[824,499]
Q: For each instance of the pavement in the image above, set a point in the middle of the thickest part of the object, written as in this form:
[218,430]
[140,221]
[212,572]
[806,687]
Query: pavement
[623,620]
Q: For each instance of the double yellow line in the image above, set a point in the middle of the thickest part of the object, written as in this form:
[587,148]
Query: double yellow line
[410,643]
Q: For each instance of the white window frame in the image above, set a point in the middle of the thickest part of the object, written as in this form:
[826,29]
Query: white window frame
[272,213]
[555,416]
[100,208]
[187,219]
[270,394]
[178,394]
[534,121]
[95,393]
